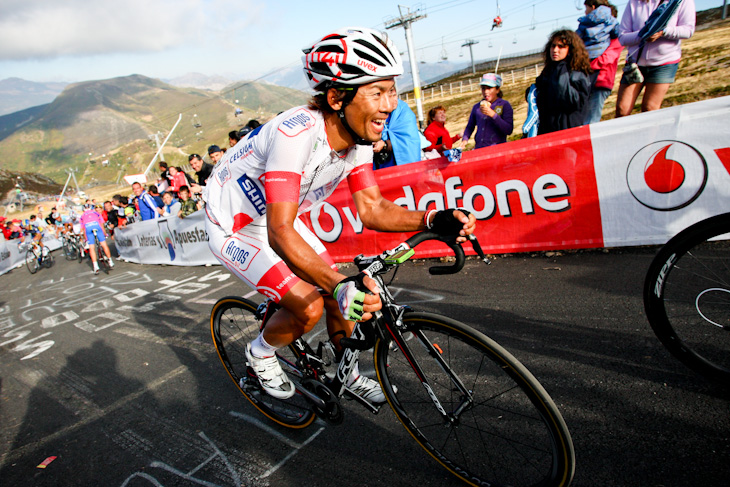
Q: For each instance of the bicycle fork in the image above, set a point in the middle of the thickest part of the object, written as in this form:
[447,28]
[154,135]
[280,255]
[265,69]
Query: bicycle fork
[435,352]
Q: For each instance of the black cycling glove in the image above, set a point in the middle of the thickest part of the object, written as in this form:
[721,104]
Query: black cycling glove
[446,224]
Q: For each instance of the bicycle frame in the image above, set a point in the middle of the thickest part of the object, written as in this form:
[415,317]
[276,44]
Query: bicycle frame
[385,324]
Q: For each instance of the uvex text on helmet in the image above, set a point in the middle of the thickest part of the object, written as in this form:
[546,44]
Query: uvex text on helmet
[351,56]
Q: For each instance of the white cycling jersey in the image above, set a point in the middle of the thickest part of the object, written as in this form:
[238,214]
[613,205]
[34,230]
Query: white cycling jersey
[287,159]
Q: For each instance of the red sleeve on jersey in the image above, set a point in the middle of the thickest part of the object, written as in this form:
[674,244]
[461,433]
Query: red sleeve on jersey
[282,187]
[361,177]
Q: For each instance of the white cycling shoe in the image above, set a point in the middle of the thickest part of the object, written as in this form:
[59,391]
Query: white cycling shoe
[271,377]
[367,389]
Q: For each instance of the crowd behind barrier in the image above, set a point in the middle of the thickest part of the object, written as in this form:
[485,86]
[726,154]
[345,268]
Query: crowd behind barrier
[610,184]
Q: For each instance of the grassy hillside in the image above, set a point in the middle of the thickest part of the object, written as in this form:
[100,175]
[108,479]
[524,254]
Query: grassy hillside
[112,120]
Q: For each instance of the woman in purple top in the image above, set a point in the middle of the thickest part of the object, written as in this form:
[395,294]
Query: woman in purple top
[492,116]
[660,54]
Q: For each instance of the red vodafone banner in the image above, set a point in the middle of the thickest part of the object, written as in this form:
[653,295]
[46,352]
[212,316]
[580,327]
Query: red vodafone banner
[631,181]
[527,195]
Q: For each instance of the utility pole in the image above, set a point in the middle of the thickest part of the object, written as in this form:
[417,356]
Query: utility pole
[724,9]
[156,136]
[471,42]
[405,21]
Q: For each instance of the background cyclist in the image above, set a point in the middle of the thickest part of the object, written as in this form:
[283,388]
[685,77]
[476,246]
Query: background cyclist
[91,220]
[284,168]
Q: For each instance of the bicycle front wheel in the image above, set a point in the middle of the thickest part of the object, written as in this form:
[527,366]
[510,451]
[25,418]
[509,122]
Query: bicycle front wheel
[687,297]
[31,261]
[495,424]
[233,324]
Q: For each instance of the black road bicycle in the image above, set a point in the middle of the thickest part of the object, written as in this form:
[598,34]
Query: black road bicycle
[466,400]
[687,297]
[37,256]
[73,248]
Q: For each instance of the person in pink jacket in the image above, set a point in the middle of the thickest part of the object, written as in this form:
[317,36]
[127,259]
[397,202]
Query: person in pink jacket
[659,57]
[91,222]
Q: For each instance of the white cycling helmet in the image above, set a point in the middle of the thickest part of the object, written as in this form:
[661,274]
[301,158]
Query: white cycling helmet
[351,56]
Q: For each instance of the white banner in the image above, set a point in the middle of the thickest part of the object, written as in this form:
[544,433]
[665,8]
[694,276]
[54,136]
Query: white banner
[12,253]
[659,172]
[172,241]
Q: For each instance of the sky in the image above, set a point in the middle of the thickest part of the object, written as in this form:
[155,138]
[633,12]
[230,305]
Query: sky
[79,40]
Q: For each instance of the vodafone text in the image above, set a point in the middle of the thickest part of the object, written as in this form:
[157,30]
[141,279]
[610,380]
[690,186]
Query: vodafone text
[549,192]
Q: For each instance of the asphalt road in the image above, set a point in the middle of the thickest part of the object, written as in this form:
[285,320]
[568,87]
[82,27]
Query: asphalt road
[116,377]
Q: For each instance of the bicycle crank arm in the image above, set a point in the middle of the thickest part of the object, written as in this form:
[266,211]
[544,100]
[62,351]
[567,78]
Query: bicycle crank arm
[318,401]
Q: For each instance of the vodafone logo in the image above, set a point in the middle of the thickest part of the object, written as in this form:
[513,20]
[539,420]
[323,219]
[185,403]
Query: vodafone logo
[667,175]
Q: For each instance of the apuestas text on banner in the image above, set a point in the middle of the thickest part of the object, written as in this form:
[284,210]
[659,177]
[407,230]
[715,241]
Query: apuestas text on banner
[172,241]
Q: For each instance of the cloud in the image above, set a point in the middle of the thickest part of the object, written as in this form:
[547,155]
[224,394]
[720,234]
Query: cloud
[42,29]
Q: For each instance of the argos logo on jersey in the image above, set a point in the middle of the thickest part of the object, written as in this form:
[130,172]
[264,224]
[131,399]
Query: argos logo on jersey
[298,122]
[253,193]
[239,253]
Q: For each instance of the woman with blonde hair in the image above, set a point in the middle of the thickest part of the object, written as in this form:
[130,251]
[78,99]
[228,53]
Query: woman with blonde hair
[564,85]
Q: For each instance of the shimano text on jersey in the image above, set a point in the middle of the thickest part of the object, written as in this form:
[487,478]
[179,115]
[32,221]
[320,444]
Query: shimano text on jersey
[253,193]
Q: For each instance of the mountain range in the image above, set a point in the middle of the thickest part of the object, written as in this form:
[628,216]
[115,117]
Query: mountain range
[107,127]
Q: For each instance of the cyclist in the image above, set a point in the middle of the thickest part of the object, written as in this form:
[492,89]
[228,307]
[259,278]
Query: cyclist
[90,221]
[287,166]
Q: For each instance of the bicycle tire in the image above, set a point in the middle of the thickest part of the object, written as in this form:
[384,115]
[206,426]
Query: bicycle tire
[102,259]
[31,261]
[79,250]
[233,325]
[687,297]
[48,259]
[511,434]
[69,249]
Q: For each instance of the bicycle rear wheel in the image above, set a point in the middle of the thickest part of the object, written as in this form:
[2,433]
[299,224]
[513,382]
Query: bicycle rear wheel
[69,249]
[234,324]
[504,431]
[102,258]
[31,260]
[687,297]
[48,259]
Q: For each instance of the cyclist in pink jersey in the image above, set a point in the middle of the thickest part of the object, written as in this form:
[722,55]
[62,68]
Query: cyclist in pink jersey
[284,168]
[91,220]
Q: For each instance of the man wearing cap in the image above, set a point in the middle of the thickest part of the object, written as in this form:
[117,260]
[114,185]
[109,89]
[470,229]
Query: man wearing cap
[215,153]
[492,116]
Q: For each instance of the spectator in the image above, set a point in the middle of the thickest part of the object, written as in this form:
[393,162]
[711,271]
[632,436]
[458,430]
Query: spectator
[177,179]
[564,84]
[597,27]
[170,207]
[164,174]
[657,58]
[215,153]
[202,171]
[492,116]
[604,66]
[147,205]
[250,126]
[12,230]
[111,216]
[188,206]
[436,132]
[233,138]
[152,190]
[401,139]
